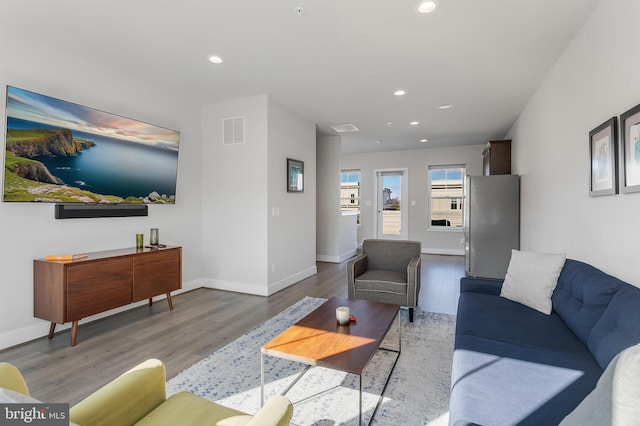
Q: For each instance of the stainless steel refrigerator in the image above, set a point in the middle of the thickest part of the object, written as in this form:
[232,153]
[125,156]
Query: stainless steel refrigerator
[491,224]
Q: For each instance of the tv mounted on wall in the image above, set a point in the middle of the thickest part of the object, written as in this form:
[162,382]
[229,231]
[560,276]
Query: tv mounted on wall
[60,152]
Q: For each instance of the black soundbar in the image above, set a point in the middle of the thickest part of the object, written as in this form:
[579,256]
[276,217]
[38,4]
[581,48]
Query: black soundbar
[81,211]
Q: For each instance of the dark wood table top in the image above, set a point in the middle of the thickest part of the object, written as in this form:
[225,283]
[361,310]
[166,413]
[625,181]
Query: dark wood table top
[317,339]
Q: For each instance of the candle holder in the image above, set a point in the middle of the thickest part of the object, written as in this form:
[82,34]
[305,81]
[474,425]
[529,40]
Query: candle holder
[154,237]
[343,315]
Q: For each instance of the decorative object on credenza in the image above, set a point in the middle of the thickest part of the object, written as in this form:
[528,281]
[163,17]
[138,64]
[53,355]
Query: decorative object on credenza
[139,241]
[603,154]
[154,237]
[630,150]
[65,257]
[295,175]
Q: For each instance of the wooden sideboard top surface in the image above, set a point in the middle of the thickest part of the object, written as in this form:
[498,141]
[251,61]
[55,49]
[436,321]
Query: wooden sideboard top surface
[99,255]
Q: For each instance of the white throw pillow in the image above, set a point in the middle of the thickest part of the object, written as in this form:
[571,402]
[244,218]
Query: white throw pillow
[614,401]
[532,277]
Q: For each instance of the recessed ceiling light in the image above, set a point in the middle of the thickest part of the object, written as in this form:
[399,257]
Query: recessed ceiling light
[426,6]
[342,128]
[423,140]
[215,59]
[389,123]
[414,123]
[399,92]
[444,106]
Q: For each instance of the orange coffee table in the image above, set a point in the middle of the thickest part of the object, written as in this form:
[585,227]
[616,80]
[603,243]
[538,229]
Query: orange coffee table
[317,339]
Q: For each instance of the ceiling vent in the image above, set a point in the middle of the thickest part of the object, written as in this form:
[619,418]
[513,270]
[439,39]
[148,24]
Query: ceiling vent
[343,128]
[233,130]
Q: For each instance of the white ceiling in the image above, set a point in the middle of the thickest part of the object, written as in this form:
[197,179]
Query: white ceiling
[338,63]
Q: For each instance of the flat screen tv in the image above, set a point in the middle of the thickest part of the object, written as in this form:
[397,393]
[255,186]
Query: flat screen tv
[60,152]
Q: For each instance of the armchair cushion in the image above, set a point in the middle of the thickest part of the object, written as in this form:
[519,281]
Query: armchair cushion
[185,408]
[188,409]
[390,255]
[384,281]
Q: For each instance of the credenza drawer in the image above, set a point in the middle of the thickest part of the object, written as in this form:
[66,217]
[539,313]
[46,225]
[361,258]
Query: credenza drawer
[97,287]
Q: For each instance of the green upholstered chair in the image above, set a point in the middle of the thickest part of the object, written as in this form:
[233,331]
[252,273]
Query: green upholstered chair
[138,398]
[386,271]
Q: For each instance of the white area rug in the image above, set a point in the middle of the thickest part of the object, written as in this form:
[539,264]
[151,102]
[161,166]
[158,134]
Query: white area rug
[417,392]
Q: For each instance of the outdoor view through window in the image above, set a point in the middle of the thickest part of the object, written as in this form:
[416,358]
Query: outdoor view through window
[350,191]
[446,192]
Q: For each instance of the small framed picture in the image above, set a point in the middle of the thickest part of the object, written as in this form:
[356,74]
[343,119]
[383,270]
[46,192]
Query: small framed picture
[603,150]
[295,175]
[630,150]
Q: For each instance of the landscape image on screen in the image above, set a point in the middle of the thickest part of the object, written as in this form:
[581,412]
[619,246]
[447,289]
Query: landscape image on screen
[61,152]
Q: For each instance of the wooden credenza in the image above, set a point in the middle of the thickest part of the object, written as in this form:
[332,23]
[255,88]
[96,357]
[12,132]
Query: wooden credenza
[70,291]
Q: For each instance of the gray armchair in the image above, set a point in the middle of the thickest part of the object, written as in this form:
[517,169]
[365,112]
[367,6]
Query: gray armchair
[386,271]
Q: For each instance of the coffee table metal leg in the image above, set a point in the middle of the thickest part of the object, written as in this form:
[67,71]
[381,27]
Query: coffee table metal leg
[261,379]
[360,412]
[399,334]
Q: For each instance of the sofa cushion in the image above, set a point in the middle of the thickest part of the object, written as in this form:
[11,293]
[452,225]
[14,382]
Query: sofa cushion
[499,383]
[513,364]
[615,398]
[531,278]
[500,319]
[581,296]
[185,408]
[619,326]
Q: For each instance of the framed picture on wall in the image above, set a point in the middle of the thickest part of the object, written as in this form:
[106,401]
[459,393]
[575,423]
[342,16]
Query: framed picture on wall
[295,175]
[630,151]
[603,150]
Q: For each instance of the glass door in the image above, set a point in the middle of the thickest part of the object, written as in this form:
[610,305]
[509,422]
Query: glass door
[391,210]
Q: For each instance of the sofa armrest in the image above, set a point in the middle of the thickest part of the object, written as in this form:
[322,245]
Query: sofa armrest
[125,400]
[481,285]
[276,412]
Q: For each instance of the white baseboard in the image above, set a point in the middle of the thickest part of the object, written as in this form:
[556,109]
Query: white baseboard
[289,281]
[336,259]
[259,289]
[450,252]
[40,328]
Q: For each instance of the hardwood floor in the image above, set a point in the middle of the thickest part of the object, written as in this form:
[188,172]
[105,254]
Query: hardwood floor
[203,321]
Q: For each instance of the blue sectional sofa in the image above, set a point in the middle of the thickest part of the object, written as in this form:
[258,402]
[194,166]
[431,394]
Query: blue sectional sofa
[515,365]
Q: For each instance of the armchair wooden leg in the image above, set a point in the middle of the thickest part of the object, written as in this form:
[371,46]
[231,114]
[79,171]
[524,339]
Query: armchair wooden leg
[410,314]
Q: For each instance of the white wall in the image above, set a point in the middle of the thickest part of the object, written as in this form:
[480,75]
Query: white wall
[595,79]
[417,162]
[29,231]
[292,233]
[247,248]
[234,198]
[328,199]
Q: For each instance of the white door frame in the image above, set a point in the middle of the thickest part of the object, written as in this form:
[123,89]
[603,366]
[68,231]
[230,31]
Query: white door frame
[404,204]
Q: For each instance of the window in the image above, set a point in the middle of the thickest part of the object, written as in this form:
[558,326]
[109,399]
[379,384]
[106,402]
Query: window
[350,191]
[446,195]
